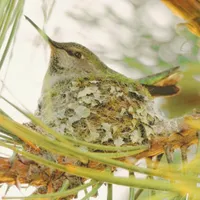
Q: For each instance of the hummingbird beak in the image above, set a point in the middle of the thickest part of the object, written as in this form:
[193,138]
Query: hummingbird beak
[43,34]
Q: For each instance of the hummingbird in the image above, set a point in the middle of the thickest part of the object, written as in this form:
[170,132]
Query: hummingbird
[82,97]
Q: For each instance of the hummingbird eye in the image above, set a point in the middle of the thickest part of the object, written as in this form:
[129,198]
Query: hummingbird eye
[70,52]
[78,55]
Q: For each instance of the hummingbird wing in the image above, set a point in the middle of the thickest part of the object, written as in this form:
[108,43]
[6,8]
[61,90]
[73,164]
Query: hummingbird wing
[163,83]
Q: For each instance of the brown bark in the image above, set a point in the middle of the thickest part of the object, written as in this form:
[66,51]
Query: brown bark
[177,140]
[22,171]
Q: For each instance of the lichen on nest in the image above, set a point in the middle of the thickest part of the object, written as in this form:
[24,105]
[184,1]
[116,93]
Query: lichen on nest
[100,110]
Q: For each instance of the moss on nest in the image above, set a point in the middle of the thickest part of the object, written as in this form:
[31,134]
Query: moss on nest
[101,110]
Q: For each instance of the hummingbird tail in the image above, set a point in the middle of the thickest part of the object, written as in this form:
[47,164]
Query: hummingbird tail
[168,90]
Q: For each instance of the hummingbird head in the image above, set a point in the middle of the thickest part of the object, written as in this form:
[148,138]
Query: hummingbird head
[70,60]
[73,58]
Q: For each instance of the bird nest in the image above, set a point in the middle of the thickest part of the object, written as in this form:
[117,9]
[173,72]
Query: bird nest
[100,110]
